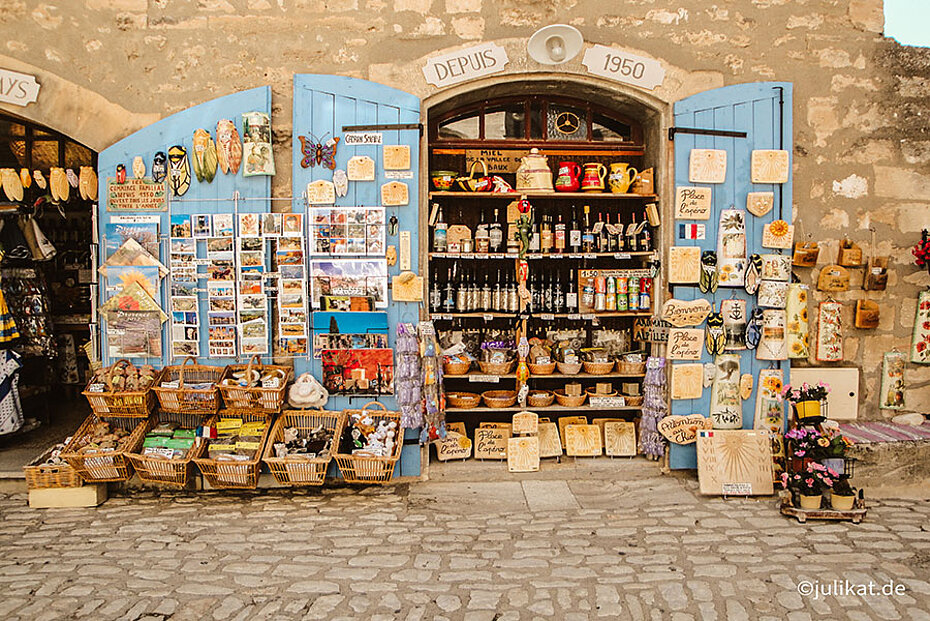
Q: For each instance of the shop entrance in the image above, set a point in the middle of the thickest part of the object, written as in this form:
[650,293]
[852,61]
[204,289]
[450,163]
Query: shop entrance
[591,265]
[46,273]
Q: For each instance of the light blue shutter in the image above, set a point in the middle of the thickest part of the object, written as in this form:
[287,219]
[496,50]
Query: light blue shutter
[323,105]
[755,109]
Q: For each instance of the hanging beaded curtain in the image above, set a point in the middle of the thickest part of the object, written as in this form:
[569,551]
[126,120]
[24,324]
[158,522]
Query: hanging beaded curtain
[655,408]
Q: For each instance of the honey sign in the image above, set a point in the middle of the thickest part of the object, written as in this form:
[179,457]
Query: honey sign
[497,160]
[136,195]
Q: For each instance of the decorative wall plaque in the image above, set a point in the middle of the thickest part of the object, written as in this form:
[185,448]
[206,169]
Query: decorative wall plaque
[833,278]
[733,312]
[707,166]
[321,192]
[620,439]
[570,420]
[735,463]
[453,446]
[525,423]
[778,234]
[726,408]
[685,343]
[683,429]
[682,313]
[769,166]
[549,443]
[892,391]
[491,443]
[770,409]
[684,264]
[582,440]
[360,168]
[773,344]
[692,203]
[523,454]
[798,337]
[396,157]
[395,194]
[687,381]
[920,341]
[760,203]
[829,332]
[731,248]
[136,195]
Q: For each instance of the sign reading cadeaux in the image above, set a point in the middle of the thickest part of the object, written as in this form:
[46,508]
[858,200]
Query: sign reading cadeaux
[467,64]
[18,89]
[621,66]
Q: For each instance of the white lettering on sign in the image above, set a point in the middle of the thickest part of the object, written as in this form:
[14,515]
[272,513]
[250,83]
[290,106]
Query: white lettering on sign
[18,88]
[621,66]
[467,64]
[362,138]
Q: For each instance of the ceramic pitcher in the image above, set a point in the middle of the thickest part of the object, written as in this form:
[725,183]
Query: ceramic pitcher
[593,180]
[621,177]
[569,177]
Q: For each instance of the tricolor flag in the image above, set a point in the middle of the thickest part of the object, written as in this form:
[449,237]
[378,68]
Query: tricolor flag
[691,231]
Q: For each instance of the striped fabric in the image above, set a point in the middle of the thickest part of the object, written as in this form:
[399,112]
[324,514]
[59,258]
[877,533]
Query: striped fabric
[871,433]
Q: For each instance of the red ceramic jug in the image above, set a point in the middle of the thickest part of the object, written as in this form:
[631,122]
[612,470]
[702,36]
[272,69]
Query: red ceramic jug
[569,177]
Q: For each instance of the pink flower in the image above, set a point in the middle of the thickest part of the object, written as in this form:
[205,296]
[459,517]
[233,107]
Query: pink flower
[799,453]
[809,482]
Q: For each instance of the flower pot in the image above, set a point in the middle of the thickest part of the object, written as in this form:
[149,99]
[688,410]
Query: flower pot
[810,502]
[807,409]
[842,503]
[836,464]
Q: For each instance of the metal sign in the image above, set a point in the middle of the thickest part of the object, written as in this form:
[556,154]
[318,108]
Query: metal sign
[467,64]
[621,66]
[19,89]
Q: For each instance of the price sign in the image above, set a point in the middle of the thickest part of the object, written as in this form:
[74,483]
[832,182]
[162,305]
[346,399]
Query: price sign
[547,317]
[480,379]
[621,66]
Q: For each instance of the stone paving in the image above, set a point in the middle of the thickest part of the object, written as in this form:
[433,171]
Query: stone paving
[610,540]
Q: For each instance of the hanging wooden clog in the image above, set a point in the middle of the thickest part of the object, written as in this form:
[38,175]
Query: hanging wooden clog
[228,146]
[849,254]
[204,156]
[833,278]
[805,254]
[180,170]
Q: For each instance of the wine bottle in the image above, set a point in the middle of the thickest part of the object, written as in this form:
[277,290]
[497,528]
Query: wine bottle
[603,240]
[574,234]
[587,237]
[440,233]
[631,235]
[496,234]
[560,236]
[571,294]
[485,302]
[545,243]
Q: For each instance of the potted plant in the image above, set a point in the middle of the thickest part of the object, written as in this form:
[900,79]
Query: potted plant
[805,445]
[844,496]
[806,400]
[834,456]
[806,487]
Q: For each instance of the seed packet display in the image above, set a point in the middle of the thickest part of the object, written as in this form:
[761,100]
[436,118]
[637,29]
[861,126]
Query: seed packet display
[347,231]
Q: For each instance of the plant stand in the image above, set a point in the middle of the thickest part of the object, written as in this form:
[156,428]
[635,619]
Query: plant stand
[854,515]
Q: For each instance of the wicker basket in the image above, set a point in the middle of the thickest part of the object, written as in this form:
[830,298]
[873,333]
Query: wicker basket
[163,471]
[570,401]
[463,400]
[224,474]
[542,369]
[633,402]
[300,471]
[254,398]
[104,466]
[499,398]
[592,392]
[40,475]
[497,368]
[456,367]
[598,368]
[569,368]
[187,400]
[133,404]
[540,398]
[363,469]
[631,368]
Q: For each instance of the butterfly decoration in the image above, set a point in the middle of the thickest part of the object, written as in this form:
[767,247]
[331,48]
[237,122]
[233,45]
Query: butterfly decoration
[753,274]
[754,328]
[316,152]
[708,281]
[714,339]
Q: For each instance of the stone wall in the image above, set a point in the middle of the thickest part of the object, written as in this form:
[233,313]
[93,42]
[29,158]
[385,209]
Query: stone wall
[860,101]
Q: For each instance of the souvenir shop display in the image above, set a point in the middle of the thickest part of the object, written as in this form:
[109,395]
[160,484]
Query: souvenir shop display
[49,470]
[725,403]
[122,390]
[98,449]
[920,339]
[232,458]
[370,444]
[302,445]
[829,332]
[254,387]
[655,408]
[189,388]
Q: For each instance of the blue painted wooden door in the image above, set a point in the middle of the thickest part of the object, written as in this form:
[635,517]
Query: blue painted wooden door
[201,198]
[755,109]
[323,105]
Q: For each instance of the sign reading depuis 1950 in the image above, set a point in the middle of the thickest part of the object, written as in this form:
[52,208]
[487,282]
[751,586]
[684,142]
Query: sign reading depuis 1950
[472,62]
[622,66]
[18,88]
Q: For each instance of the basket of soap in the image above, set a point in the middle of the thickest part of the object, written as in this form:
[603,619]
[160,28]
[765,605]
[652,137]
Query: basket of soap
[456,365]
[168,449]
[540,398]
[122,389]
[255,387]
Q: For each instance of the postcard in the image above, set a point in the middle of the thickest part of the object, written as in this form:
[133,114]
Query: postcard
[217,245]
[222,304]
[291,272]
[201,225]
[223,225]
[290,244]
[251,259]
[183,246]
[182,349]
[293,346]
[251,243]
[133,334]
[183,288]
[249,225]
[253,302]
[184,304]
[146,233]
[253,329]
[180,225]
[121,276]
[186,318]
[222,349]
[185,333]
[292,224]
[246,316]
[221,319]
[271,225]
[222,333]
[250,347]
[349,277]
[292,330]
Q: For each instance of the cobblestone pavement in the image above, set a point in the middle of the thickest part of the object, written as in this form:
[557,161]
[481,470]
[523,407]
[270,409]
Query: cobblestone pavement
[584,542]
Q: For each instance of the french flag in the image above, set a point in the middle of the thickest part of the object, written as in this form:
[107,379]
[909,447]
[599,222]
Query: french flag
[691,231]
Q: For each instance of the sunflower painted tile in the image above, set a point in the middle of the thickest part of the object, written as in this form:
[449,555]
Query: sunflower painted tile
[798,331]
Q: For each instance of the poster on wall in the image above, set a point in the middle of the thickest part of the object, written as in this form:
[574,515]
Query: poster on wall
[365,278]
[358,371]
[920,341]
[348,231]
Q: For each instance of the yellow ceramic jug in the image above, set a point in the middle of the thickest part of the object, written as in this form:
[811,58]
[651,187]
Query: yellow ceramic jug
[621,177]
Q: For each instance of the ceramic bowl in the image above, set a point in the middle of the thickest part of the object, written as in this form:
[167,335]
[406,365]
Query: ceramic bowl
[443,180]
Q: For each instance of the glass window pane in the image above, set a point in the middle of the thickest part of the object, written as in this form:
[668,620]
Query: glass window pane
[461,128]
[77,155]
[41,133]
[609,130]
[505,122]
[45,154]
[12,154]
[566,123]
[536,122]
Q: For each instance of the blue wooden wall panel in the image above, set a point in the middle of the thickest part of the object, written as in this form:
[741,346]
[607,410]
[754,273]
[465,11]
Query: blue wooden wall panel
[216,196]
[323,104]
[752,108]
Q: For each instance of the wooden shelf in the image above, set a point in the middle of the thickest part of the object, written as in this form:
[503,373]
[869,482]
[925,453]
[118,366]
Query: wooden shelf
[574,256]
[542,316]
[517,195]
[581,376]
[551,408]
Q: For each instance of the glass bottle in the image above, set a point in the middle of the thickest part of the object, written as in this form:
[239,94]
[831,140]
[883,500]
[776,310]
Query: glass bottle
[496,305]
[612,245]
[587,237]
[449,304]
[496,234]
[547,301]
[461,295]
[574,234]
[558,297]
[513,295]
[435,297]
[440,233]
[485,303]
[560,235]
[603,240]
[534,240]
[482,237]
[571,293]
[645,240]
[631,235]
[545,243]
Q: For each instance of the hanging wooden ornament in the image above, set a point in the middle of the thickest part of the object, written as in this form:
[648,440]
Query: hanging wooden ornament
[753,274]
[180,170]
[684,344]
[754,328]
[805,254]
[772,344]
[770,409]
[396,157]
[849,254]
[159,167]
[341,182]
[829,332]
[726,408]
[876,274]
[734,324]
[228,146]
[204,156]
[684,313]
[891,396]
[778,234]
[714,338]
[707,166]
[798,337]
[833,278]
[687,381]
[257,152]
[360,168]
[776,267]
[920,341]
[709,280]
[692,203]
[745,386]
[731,248]
[769,166]
[867,315]
[321,192]
[710,370]
[394,194]
[684,265]
[760,203]
[772,294]
[138,167]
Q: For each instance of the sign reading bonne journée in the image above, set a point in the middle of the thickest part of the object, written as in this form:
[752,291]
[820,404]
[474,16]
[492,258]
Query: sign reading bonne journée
[467,64]
[18,88]
[621,66]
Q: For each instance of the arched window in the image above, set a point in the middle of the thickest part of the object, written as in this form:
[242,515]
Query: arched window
[27,145]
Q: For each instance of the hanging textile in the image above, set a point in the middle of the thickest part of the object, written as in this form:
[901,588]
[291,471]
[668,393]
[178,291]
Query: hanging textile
[8,331]
[26,295]
[11,411]
[434,401]
[407,376]
[655,408]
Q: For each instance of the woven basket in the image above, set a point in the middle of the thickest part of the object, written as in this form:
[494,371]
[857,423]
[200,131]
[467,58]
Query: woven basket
[254,398]
[592,393]
[569,368]
[463,400]
[633,402]
[499,398]
[540,398]
[598,368]
[363,469]
[456,367]
[497,368]
[570,401]
[631,368]
[39,475]
[176,472]
[224,474]
[187,400]
[104,466]
[133,404]
[542,369]
[295,470]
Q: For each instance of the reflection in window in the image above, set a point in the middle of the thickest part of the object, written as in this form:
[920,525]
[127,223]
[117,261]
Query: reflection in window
[78,155]
[45,154]
[462,128]
[609,130]
[565,123]
[505,122]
